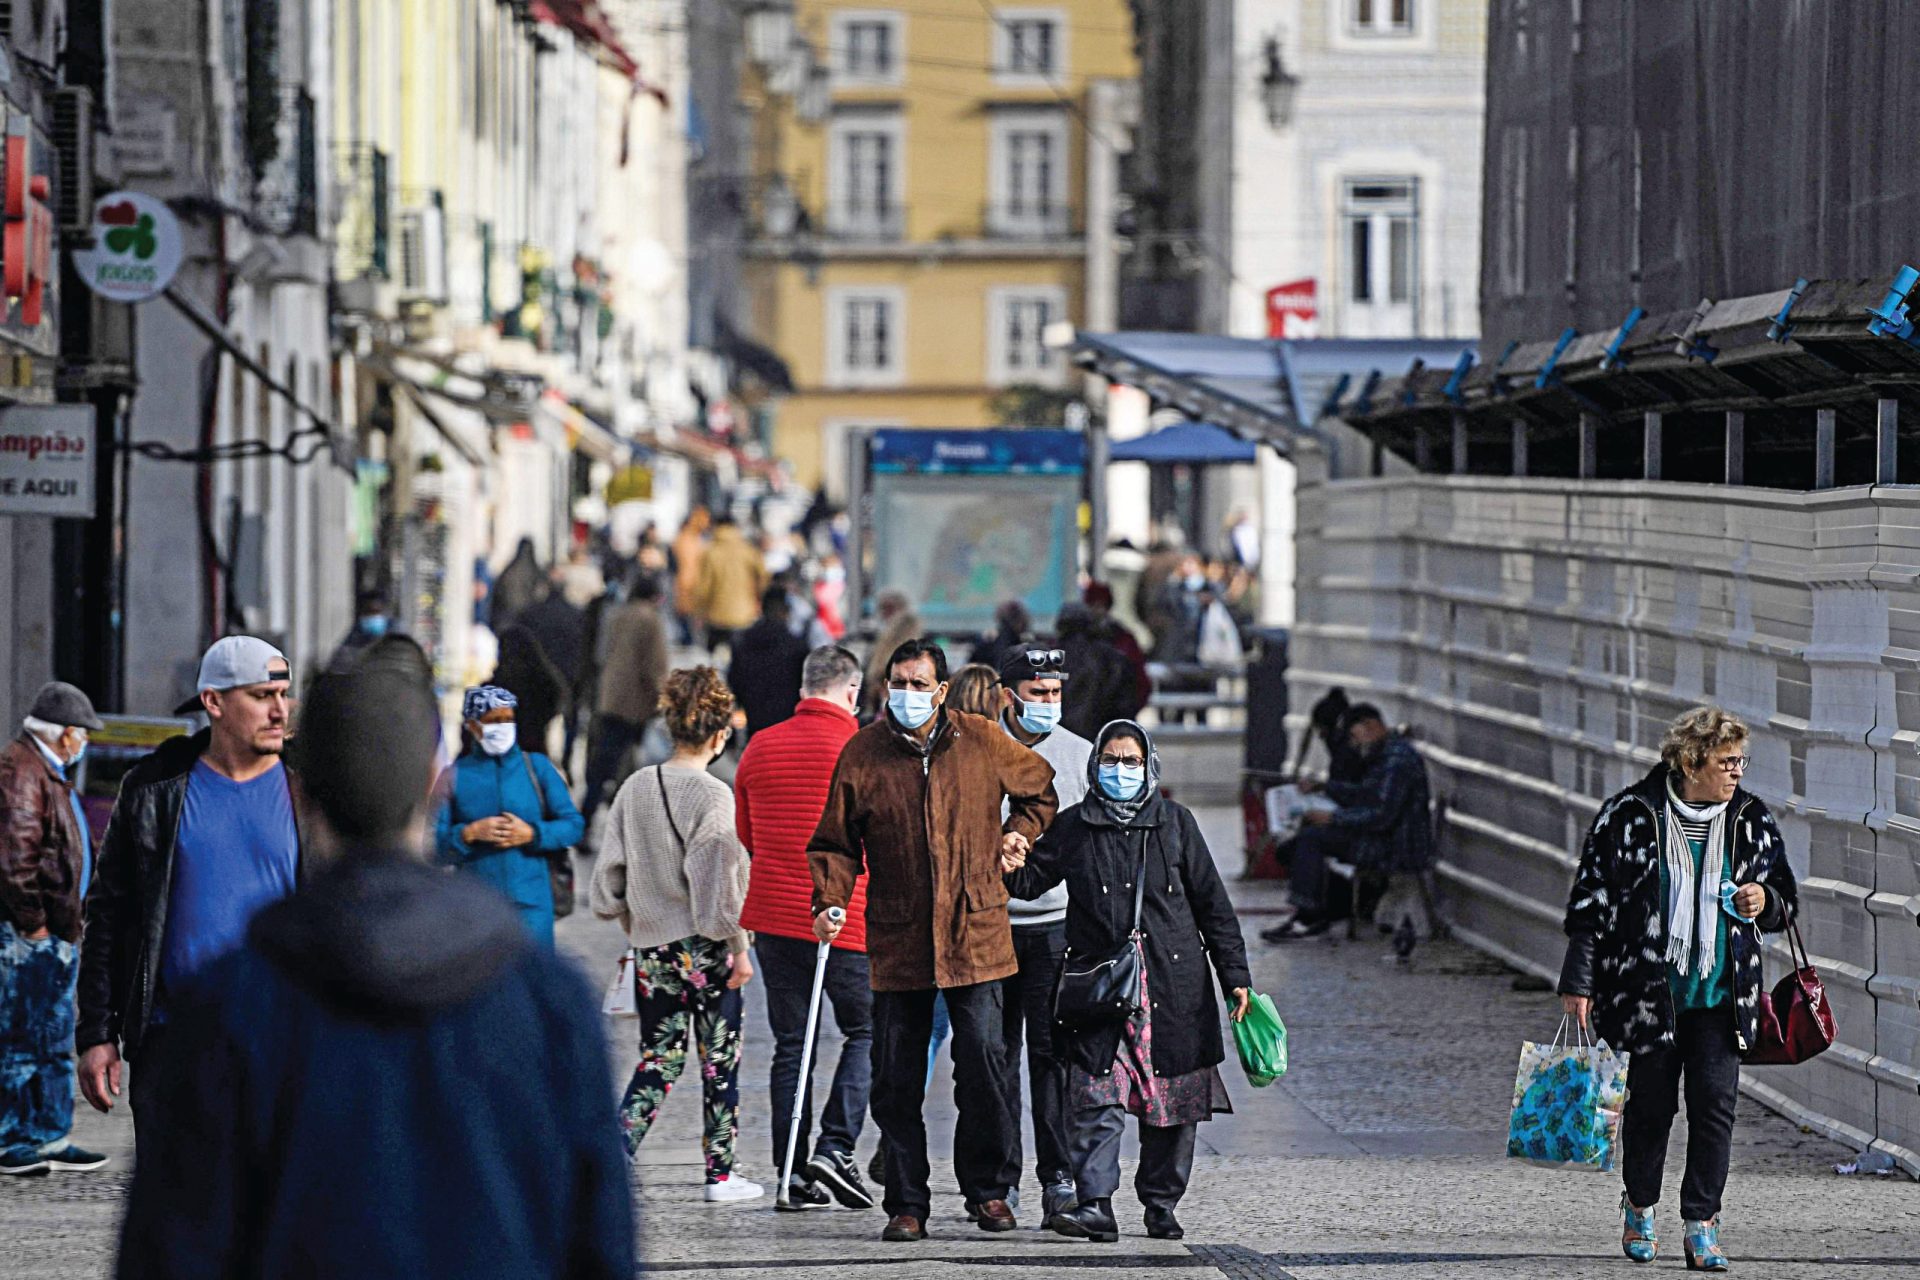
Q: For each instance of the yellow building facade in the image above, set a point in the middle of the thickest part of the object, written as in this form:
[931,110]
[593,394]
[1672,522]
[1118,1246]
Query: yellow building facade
[922,209]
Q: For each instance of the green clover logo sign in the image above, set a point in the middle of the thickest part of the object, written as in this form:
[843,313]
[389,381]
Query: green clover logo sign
[139,238]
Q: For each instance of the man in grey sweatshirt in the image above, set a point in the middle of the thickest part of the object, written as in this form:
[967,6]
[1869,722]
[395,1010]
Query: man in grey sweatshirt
[1032,678]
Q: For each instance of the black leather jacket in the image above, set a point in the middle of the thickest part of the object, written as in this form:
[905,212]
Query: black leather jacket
[127,901]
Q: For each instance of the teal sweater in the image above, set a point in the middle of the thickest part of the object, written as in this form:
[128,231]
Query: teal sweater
[1690,991]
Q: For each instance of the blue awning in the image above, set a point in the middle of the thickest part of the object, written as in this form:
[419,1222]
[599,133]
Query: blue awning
[1192,443]
[1272,389]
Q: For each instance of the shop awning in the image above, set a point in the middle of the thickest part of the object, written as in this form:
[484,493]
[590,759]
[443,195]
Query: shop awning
[1195,444]
[585,436]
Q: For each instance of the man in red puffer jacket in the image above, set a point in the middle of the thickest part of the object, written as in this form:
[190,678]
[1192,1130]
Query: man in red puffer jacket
[779,792]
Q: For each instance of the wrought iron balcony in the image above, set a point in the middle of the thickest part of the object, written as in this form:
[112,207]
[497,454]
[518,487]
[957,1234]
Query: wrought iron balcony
[867,221]
[364,215]
[286,197]
[1030,220]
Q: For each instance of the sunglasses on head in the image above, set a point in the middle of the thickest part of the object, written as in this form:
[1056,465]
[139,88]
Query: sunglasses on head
[1046,659]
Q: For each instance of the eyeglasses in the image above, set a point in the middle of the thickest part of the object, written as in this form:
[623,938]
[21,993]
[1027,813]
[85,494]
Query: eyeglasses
[1046,659]
[1733,764]
[1111,760]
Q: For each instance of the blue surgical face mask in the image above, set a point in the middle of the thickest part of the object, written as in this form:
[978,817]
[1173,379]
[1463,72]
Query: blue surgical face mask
[498,739]
[1195,581]
[375,625]
[1039,717]
[1122,781]
[911,707]
[79,754]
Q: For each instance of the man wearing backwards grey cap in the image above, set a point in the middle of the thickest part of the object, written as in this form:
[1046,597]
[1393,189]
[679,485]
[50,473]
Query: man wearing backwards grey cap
[1032,679]
[202,836]
[46,856]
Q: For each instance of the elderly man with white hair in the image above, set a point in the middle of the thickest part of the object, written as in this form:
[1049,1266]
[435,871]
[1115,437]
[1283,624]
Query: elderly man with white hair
[46,859]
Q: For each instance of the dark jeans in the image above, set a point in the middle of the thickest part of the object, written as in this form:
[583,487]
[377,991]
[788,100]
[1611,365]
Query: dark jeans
[611,742]
[147,1081]
[1311,850]
[1704,1052]
[902,1025]
[1027,1008]
[786,966]
[1166,1157]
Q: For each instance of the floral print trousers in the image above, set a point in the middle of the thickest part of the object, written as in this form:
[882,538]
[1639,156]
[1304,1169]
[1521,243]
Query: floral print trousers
[682,996]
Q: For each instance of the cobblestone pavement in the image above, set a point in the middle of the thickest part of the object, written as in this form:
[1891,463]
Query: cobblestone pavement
[1379,1155]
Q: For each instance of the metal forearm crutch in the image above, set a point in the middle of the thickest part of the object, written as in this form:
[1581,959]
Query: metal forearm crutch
[834,915]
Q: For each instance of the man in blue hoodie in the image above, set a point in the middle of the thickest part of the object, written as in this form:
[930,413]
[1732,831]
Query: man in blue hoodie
[324,1114]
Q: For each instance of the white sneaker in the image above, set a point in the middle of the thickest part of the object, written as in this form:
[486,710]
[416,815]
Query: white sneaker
[735,1188]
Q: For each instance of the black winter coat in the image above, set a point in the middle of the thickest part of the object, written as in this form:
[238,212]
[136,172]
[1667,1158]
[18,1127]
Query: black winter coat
[764,673]
[127,900]
[1617,925]
[1185,916]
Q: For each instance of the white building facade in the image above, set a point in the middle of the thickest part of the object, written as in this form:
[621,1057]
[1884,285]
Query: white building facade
[1357,130]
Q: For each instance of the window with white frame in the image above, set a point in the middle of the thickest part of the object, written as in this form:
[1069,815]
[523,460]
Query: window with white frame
[1380,222]
[1016,336]
[1380,17]
[865,346]
[868,48]
[863,176]
[1027,189]
[1029,45]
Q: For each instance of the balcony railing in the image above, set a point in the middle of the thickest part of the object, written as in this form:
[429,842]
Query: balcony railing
[364,224]
[286,198]
[1030,220]
[867,221]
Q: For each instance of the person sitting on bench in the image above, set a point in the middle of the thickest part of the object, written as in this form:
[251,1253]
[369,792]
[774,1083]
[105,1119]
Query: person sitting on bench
[1381,825]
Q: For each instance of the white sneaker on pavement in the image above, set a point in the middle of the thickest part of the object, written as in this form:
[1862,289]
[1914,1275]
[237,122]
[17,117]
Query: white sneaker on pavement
[734,1188]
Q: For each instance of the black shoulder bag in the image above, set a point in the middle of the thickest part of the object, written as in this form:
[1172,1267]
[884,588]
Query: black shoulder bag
[1105,990]
[560,863]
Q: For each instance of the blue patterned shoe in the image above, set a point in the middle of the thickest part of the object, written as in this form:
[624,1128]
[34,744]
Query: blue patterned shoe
[1703,1247]
[1637,1238]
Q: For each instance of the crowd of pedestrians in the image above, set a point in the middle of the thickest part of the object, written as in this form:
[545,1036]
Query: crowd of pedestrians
[300,936]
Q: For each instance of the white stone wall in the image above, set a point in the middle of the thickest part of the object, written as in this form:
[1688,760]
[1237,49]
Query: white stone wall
[1540,634]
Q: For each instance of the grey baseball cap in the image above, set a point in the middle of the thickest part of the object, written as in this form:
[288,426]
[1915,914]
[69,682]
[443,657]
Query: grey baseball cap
[235,662]
[60,703]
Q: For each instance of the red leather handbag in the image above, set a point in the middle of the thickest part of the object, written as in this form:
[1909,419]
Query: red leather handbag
[1796,1022]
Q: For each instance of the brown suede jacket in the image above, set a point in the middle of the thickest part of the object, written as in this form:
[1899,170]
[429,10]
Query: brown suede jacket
[40,847]
[926,828]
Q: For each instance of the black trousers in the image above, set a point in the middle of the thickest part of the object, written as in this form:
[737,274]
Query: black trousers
[1027,1014]
[1166,1157]
[1309,875]
[786,967]
[902,1025]
[1704,1054]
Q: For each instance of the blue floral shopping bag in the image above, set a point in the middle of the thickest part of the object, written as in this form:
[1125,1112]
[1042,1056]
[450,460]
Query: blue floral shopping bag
[1567,1100]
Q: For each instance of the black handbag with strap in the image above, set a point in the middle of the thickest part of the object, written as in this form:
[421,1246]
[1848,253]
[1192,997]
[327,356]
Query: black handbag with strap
[559,863]
[1104,990]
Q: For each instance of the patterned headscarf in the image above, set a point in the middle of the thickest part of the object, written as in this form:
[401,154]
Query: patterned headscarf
[1122,811]
[485,698]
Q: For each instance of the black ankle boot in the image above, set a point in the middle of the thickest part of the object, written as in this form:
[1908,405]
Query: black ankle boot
[1089,1220]
[1162,1225]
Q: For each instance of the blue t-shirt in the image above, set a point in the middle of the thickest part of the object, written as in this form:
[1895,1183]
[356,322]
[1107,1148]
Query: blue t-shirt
[236,852]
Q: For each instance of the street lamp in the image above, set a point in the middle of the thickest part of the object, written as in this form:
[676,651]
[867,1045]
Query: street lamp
[1278,87]
[815,98]
[769,30]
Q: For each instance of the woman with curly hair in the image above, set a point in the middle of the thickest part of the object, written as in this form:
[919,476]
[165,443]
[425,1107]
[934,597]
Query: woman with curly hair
[672,871]
[1680,875]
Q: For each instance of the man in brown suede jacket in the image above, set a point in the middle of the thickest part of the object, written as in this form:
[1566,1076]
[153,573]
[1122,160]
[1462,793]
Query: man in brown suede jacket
[915,802]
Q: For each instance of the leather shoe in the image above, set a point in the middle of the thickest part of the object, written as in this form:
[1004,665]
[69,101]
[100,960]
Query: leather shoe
[904,1227]
[996,1216]
[1162,1225]
[1089,1220]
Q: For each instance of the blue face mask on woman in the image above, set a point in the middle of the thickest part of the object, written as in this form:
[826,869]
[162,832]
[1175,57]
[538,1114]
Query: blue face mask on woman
[1122,781]
[911,707]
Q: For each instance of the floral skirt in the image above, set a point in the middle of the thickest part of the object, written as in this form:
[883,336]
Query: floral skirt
[1160,1101]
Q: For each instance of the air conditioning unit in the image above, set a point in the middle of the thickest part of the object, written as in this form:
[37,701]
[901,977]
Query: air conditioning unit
[73,142]
[423,253]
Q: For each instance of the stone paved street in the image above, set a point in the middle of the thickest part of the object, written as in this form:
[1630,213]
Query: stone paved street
[1379,1155]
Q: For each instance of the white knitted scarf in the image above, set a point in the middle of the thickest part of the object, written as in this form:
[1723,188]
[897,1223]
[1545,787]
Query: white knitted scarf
[1692,926]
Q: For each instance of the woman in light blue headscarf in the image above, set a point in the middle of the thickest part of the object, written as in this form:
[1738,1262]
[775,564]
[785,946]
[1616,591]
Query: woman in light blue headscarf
[506,813]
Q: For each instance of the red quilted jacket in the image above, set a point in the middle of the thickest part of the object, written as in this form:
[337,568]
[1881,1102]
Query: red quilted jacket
[778,793]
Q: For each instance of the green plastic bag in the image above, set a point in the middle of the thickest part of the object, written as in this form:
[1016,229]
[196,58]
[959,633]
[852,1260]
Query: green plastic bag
[1262,1040]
